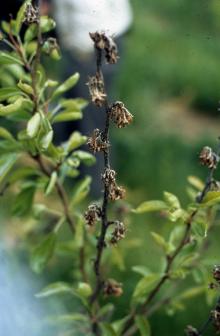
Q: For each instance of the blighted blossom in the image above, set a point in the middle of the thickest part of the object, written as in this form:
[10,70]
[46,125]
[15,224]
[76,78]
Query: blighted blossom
[112,288]
[109,176]
[118,233]
[216,273]
[106,43]
[191,331]
[208,158]
[96,142]
[97,90]
[115,192]
[93,214]
[120,115]
[31,14]
[215,316]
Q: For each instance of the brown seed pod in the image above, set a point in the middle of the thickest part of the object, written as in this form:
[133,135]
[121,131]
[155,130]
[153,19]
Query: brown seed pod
[208,158]
[96,143]
[104,42]
[112,288]
[118,233]
[93,214]
[109,176]
[215,316]
[120,115]
[216,273]
[116,192]
[97,90]
[31,14]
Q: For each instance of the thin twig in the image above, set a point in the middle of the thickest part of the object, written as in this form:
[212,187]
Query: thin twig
[60,191]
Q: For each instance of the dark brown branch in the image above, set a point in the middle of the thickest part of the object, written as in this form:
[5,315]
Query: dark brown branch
[104,223]
[101,244]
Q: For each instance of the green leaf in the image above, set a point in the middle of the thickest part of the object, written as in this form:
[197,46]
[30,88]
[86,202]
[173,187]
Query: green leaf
[46,25]
[119,325]
[67,116]
[67,85]
[5,26]
[54,289]
[9,146]
[26,88]
[171,200]
[8,92]
[6,59]
[176,235]
[81,190]
[143,270]
[11,108]
[52,183]
[33,125]
[76,140]
[211,198]
[5,134]
[43,253]
[191,293]
[144,286]
[160,241]
[200,228]
[75,104]
[24,200]
[143,325]
[67,318]
[179,273]
[107,329]
[177,214]
[46,140]
[150,206]
[196,182]
[20,17]
[105,311]
[7,161]
[86,158]
[79,233]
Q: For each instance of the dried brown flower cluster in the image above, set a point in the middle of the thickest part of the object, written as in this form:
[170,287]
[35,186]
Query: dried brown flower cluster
[31,14]
[93,214]
[118,233]
[97,90]
[96,142]
[216,273]
[215,316]
[115,192]
[209,158]
[112,287]
[104,42]
[191,331]
[120,115]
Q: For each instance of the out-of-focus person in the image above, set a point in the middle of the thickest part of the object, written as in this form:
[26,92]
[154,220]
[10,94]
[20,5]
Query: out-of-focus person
[77,18]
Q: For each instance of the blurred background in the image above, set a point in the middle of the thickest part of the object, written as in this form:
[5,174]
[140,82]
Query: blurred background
[168,77]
